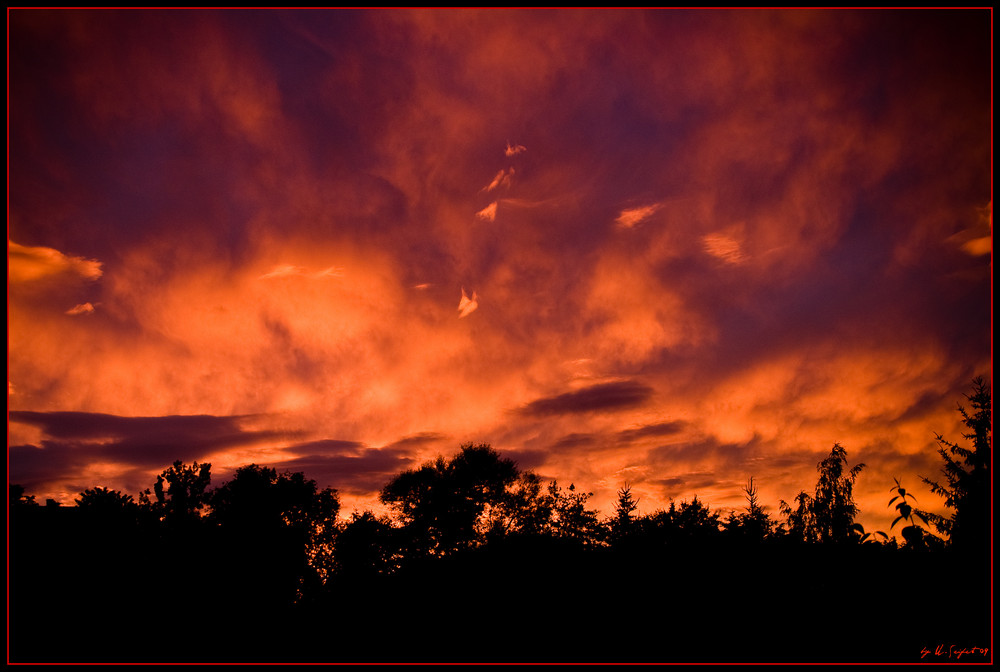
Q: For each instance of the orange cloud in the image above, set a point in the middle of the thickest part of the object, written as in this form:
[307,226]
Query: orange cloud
[81,309]
[489,213]
[467,305]
[514,150]
[27,264]
[724,247]
[634,216]
[502,179]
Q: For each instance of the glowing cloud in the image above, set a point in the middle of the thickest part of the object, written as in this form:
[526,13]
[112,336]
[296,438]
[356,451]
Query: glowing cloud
[466,306]
[489,213]
[288,270]
[723,247]
[515,149]
[502,179]
[283,271]
[34,263]
[630,218]
[81,309]
[978,247]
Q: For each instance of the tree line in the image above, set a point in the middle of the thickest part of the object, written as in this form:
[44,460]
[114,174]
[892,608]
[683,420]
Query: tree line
[267,549]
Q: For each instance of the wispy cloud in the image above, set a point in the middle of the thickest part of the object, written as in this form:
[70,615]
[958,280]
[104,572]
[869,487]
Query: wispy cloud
[283,271]
[503,179]
[289,270]
[34,263]
[723,247]
[81,309]
[634,216]
[602,397]
[513,150]
[467,305]
[489,213]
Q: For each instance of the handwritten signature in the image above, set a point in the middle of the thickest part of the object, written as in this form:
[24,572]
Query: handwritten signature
[953,651]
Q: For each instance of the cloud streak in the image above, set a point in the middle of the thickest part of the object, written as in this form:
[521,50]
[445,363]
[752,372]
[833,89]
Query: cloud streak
[595,398]
[29,264]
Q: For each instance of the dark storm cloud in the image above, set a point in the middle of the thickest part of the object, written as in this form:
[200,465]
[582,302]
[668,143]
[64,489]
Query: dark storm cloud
[659,429]
[709,450]
[356,474]
[575,440]
[59,462]
[527,460]
[689,482]
[184,428]
[326,447]
[79,439]
[602,397]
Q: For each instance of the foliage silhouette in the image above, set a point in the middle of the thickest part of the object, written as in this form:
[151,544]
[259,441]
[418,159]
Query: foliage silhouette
[914,535]
[479,561]
[16,497]
[366,547]
[827,516]
[623,525]
[967,476]
[280,525]
[754,524]
[834,509]
[443,503]
[181,493]
[570,519]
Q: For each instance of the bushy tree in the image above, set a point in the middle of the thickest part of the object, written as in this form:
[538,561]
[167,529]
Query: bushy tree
[570,518]
[367,547]
[283,517]
[828,515]
[691,524]
[17,499]
[441,503]
[799,522]
[834,509]
[181,493]
[109,507]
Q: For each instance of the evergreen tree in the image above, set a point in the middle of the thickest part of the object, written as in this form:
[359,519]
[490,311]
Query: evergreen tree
[967,475]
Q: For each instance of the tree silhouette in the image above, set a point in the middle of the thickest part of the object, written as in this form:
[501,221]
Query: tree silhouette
[104,499]
[754,524]
[366,548]
[522,509]
[441,503]
[110,507]
[570,518]
[180,493]
[688,525]
[17,499]
[828,515]
[967,475]
[282,524]
[800,523]
[834,509]
[622,524]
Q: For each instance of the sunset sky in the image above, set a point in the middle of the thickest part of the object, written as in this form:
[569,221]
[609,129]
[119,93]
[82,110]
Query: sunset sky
[674,249]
